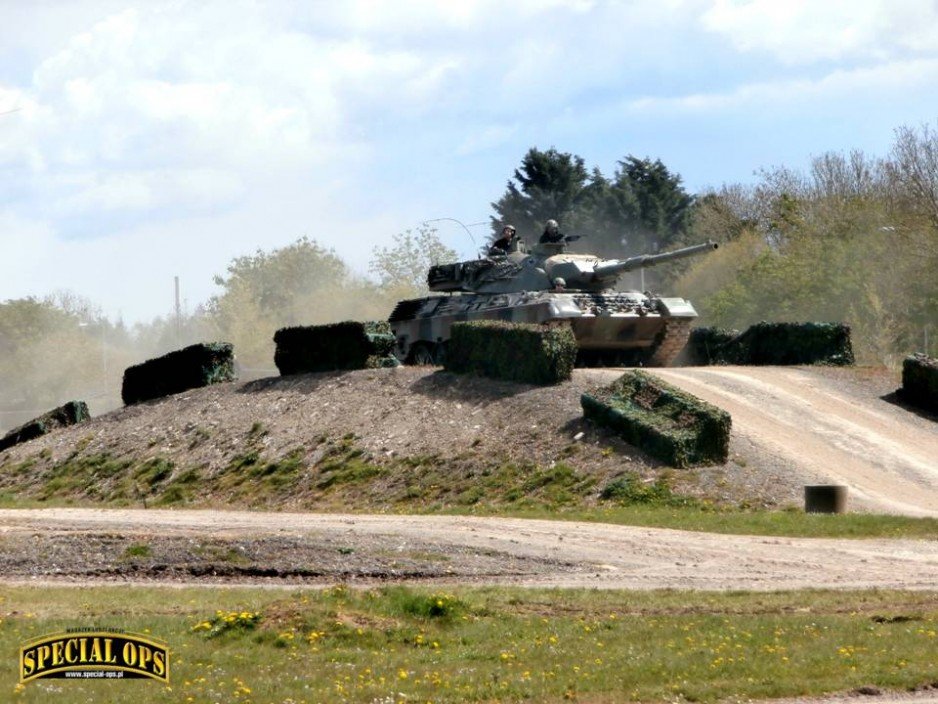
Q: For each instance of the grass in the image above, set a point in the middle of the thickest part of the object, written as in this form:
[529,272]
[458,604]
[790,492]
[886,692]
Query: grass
[333,474]
[492,644]
[137,550]
[796,524]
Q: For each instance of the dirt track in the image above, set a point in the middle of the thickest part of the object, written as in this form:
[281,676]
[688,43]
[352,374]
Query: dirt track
[543,553]
[824,431]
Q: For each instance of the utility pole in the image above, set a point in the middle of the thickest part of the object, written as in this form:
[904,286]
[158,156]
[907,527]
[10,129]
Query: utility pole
[178,313]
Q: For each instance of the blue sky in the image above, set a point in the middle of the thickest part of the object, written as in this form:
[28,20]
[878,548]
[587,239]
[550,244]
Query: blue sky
[166,137]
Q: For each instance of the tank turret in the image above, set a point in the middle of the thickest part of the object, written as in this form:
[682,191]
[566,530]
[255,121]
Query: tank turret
[539,270]
[549,285]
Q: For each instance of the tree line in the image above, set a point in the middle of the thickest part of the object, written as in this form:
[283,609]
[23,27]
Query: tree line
[853,238]
[62,347]
[642,207]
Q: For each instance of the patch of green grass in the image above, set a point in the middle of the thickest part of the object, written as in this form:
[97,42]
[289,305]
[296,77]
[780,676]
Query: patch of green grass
[345,463]
[710,519]
[281,472]
[470,496]
[137,550]
[189,476]
[556,486]
[257,431]
[154,471]
[174,494]
[629,489]
[243,461]
[489,644]
[220,553]
[435,605]
[352,471]
[95,477]
[23,467]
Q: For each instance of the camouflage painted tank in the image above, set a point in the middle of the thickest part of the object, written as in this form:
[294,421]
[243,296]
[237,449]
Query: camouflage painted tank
[549,285]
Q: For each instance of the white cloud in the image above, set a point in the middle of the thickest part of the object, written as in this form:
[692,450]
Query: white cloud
[146,190]
[804,31]
[837,87]
[25,246]
[486,138]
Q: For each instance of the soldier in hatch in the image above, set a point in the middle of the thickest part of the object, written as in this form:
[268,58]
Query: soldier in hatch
[552,233]
[505,243]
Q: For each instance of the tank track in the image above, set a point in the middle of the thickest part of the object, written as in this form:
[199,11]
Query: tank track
[670,342]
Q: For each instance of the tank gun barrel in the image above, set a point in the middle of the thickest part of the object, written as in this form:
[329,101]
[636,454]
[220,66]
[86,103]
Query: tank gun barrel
[614,268]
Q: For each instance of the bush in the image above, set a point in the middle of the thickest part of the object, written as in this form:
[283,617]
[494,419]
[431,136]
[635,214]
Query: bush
[189,368]
[67,414]
[320,348]
[920,381]
[533,354]
[667,423]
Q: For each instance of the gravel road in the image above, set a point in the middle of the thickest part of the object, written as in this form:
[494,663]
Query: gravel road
[478,550]
[824,430]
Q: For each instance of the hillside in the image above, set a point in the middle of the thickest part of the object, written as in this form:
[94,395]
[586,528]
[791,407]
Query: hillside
[405,439]
[392,439]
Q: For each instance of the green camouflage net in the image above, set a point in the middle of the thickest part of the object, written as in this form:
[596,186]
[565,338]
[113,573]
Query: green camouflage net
[532,354]
[772,343]
[920,381]
[188,368]
[67,414]
[663,421]
[321,348]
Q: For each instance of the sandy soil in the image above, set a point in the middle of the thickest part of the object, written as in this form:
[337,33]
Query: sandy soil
[479,550]
[827,432]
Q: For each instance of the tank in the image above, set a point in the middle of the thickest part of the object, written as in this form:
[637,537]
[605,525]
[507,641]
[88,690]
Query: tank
[548,285]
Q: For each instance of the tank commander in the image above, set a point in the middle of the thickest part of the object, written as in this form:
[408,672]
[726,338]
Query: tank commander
[505,243]
[552,233]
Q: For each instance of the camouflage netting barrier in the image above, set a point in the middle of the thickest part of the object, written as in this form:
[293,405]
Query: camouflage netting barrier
[709,346]
[188,368]
[322,348]
[532,354]
[68,414]
[773,343]
[920,381]
[667,423]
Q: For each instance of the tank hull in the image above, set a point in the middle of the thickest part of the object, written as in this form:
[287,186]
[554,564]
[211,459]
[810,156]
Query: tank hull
[611,327]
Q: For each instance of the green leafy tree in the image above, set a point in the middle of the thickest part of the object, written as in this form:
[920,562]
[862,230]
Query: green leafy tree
[642,208]
[851,240]
[548,185]
[655,208]
[54,350]
[401,270]
[300,284]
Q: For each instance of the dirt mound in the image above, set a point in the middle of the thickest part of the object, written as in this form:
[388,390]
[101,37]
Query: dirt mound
[412,439]
[384,438]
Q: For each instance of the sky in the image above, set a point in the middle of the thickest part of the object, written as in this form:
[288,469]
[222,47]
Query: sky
[140,141]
